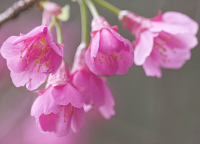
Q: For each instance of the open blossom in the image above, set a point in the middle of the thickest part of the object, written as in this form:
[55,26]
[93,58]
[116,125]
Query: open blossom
[94,89]
[109,53]
[59,107]
[164,41]
[27,133]
[31,57]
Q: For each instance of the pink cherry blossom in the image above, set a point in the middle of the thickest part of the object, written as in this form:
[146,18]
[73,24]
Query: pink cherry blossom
[31,57]
[94,89]
[164,41]
[59,107]
[27,133]
[109,53]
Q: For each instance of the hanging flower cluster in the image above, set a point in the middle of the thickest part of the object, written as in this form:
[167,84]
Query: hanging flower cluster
[161,42]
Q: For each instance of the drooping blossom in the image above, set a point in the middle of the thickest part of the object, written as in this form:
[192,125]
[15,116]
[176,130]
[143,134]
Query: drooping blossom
[109,53]
[93,88]
[59,107]
[49,9]
[31,57]
[27,133]
[164,41]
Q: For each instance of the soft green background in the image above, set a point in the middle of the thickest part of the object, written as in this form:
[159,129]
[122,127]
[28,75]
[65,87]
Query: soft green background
[148,110]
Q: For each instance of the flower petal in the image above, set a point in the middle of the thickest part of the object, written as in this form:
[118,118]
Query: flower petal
[66,94]
[178,18]
[78,119]
[169,28]
[45,103]
[34,32]
[125,59]
[12,54]
[107,110]
[58,48]
[151,67]
[108,42]
[92,87]
[95,44]
[31,78]
[144,47]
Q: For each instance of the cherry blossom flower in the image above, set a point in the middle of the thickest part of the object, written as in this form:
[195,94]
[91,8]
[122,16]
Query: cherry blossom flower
[109,53]
[164,41]
[94,89]
[27,133]
[59,107]
[31,57]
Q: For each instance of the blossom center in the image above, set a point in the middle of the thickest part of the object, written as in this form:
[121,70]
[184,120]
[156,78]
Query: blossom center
[65,114]
[109,59]
[164,45]
[36,52]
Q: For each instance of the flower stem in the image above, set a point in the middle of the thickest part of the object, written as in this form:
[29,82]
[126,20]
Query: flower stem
[59,32]
[108,6]
[84,23]
[92,8]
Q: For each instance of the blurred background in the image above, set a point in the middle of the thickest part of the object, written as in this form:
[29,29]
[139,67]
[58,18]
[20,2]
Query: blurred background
[148,110]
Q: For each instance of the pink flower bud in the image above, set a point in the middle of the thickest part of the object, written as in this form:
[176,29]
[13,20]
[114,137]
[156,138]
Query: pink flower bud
[52,8]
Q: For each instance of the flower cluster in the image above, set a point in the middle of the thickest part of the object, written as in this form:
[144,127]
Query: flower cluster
[161,42]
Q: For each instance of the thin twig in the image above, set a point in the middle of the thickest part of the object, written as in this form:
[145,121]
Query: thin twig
[17,8]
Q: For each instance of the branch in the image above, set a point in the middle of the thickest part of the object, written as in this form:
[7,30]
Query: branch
[16,9]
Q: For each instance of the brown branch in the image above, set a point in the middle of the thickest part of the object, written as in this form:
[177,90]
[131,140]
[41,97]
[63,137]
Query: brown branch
[17,8]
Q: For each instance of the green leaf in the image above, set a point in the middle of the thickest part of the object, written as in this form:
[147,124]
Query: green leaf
[65,14]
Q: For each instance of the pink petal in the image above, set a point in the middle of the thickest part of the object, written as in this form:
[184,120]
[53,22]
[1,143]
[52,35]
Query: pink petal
[89,60]
[55,122]
[31,78]
[144,47]
[63,122]
[66,94]
[55,60]
[188,41]
[78,119]
[107,110]
[92,87]
[34,32]
[109,43]
[125,59]
[12,54]
[126,43]
[151,67]
[178,18]
[45,103]
[169,28]
[56,47]
[176,59]
[95,44]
